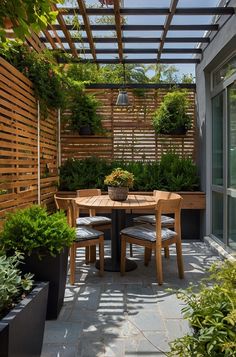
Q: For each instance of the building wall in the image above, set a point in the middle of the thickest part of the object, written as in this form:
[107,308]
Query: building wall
[222,45]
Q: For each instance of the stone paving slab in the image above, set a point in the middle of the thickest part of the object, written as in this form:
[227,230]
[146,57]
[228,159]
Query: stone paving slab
[131,316]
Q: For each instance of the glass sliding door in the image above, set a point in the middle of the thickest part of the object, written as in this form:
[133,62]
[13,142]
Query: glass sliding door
[217,165]
[231,155]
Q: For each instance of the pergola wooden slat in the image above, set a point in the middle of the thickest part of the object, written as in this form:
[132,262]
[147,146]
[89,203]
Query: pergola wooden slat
[61,22]
[82,8]
[169,18]
[156,46]
[118,28]
[152,11]
[108,27]
[135,39]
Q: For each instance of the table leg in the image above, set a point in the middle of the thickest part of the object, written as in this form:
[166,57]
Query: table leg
[113,263]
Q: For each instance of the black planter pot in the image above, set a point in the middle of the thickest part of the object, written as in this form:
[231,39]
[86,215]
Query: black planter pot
[86,130]
[21,331]
[54,270]
[178,131]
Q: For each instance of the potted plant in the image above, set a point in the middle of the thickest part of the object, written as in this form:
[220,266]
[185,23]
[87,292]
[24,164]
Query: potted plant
[211,314]
[171,118]
[84,118]
[44,240]
[119,182]
[22,310]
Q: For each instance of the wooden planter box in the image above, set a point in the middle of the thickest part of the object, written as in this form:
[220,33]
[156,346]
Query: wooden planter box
[22,329]
[191,200]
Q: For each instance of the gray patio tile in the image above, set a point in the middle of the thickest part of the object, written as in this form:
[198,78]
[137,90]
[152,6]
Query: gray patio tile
[159,340]
[62,332]
[51,350]
[124,316]
[177,328]
[89,347]
[114,348]
[148,321]
[142,347]
[170,306]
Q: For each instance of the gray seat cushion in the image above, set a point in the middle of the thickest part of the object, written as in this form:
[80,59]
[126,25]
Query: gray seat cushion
[92,221]
[151,218]
[86,233]
[148,232]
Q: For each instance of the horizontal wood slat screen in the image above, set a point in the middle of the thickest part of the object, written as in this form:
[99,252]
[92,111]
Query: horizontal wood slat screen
[131,136]
[19,146]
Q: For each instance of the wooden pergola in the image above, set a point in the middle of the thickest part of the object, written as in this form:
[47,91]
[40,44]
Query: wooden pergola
[162,44]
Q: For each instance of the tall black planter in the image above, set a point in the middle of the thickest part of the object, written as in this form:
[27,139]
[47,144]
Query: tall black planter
[21,331]
[54,270]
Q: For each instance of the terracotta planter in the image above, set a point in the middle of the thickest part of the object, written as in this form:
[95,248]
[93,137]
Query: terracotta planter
[118,193]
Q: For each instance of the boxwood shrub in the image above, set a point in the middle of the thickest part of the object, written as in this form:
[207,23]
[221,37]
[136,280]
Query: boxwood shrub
[170,173]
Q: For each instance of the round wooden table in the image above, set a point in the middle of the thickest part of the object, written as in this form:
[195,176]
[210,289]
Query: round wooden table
[118,212]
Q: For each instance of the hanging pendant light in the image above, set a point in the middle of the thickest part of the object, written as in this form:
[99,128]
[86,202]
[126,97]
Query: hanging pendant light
[123,99]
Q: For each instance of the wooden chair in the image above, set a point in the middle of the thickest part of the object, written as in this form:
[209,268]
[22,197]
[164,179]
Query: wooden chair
[157,237]
[166,221]
[85,235]
[101,223]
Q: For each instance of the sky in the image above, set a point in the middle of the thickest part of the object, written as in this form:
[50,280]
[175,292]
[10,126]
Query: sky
[158,20]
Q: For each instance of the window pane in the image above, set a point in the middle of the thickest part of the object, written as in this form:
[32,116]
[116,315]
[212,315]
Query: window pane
[217,215]
[232,136]
[225,71]
[232,222]
[217,140]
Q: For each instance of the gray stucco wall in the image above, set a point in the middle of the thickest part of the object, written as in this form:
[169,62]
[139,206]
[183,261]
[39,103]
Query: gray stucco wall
[222,45]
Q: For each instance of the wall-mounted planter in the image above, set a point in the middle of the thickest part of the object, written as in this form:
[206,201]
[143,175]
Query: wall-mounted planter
[21,330]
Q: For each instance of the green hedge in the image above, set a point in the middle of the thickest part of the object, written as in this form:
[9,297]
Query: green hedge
[172,173]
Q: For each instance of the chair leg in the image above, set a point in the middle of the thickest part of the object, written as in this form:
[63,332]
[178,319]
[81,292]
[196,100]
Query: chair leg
[72,264]
[131,250]
[159,266]
[87,255]
[123,256]
[92,257]
[180,259]
[167,252]
[101,256]
[147,255]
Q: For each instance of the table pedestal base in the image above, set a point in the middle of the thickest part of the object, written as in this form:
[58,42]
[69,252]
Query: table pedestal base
[110,266]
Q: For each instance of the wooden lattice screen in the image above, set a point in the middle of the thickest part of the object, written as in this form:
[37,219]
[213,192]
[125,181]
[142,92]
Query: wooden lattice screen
[130,132]
[19,144]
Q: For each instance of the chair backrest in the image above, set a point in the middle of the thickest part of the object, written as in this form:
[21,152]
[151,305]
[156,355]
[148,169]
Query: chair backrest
[87,192]
[168,202]
[66,205]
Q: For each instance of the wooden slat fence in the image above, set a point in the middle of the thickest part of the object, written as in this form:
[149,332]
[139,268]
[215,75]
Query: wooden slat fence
[19,144]
[131,135]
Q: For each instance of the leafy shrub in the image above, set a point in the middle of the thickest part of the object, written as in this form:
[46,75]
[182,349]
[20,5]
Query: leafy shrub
[34,230]
[177,174]
[172,113]
[13,285]
[171,173]
[119,178]
[212,315]
[83,109]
